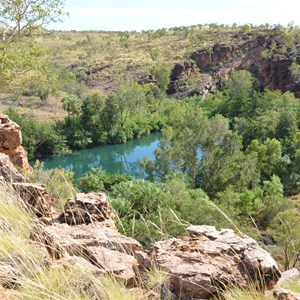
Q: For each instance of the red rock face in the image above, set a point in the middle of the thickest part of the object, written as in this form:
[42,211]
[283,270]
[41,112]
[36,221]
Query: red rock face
[10,143]
[205,262]
[273,70]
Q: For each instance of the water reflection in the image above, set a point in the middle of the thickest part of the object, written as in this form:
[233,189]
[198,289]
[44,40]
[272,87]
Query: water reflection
[123,158]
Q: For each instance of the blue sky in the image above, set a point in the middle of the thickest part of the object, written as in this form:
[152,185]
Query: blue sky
[154,14]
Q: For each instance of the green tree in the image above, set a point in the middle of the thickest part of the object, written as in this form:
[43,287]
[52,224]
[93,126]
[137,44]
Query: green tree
[241,95]
[285,228]
[72,105]
[91,117]
[23,60]
[161,71]
[273,201]
[128,100]
[130,97]
[19,17]
[224,164]
[180,146]
[269,156]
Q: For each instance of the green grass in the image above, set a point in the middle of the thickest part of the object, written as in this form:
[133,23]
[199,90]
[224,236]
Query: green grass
[15,227]
[58,183]
[241,294]
[292,284]
[36,279]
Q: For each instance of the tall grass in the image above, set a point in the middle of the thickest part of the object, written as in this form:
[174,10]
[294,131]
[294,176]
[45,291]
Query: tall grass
[37,277]
[242,294]
[15,227]
[74,282]
[58,183]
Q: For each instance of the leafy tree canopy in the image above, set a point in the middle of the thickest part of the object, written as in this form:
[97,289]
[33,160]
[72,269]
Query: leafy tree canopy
[23,59]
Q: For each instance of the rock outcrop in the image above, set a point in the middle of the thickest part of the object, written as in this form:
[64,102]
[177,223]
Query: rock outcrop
[8,172]
[179,86]
[10,143]
[104,248]
[86,230]
[35,197]
[257,55]
[208,260]
[13,155]
[86,209]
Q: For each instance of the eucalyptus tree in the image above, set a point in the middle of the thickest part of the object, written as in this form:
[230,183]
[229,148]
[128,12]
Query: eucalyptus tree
[23,17]
[23,60]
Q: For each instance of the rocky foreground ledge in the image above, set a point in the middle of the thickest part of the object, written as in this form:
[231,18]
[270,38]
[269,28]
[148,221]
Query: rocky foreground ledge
[199,264]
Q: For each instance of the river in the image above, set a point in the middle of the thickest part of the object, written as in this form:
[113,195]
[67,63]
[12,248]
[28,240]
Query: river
[120,158]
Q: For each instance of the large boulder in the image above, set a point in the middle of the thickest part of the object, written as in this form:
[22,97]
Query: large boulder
[106,249]
[87,208]
[8,172]
[208,260]
[10,143]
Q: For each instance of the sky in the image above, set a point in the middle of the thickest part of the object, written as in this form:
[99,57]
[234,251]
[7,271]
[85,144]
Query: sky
[154,14]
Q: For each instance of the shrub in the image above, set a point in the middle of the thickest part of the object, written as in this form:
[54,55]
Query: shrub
[97,180]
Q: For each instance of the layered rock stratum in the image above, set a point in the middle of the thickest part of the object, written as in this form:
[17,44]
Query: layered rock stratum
[11,143]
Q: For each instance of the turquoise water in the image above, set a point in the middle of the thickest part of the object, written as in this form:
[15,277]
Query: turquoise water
[121,158]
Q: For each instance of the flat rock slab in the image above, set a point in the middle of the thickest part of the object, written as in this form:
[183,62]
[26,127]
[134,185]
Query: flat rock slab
[206,261]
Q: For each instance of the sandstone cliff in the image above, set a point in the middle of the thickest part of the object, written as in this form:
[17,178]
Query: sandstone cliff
[266,56]
[11,141]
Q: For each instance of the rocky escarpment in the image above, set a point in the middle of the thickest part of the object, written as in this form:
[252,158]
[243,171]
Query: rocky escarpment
[265,55]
